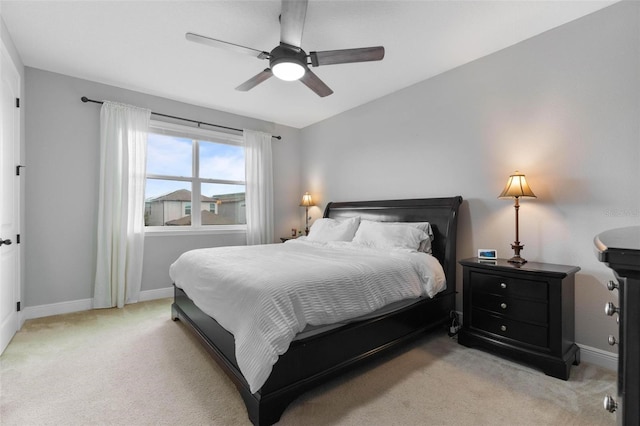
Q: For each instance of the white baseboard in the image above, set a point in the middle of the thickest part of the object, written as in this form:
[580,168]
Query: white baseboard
[604,359]
[41,311]
[160,293]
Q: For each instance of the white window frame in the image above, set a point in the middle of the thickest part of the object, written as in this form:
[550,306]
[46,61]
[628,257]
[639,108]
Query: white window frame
[196,134]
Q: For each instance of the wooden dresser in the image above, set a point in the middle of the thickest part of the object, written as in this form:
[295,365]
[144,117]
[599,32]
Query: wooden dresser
[619,249]
[525,312]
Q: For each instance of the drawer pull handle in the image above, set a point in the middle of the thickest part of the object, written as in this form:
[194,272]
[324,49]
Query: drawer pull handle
[503,285]
[610,404]
[503,305]
[611,309]
[503,328]
[612,340]
[612,285]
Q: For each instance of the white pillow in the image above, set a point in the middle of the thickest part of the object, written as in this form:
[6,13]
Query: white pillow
[387,235]
[327,229]
[425,245]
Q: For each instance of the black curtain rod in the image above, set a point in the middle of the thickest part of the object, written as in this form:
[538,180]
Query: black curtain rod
[85,99]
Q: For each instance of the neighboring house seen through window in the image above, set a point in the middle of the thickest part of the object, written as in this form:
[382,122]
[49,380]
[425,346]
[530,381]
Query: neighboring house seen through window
[194,170]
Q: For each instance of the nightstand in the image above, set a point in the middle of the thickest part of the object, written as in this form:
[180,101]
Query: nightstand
[524,312]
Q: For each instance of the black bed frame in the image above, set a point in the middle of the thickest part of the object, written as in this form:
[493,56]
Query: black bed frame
[314,360]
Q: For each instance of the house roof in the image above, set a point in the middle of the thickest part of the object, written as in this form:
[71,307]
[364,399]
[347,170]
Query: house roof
[179,195]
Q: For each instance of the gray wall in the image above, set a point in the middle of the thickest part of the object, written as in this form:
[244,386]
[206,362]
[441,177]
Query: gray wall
[562,107]
[62,157]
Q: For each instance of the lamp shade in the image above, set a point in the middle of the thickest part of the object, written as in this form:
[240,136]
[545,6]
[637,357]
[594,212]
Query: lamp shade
[517,187]
[307,201]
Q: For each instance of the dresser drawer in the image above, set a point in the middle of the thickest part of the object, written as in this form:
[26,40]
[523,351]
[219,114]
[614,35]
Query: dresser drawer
[509,328]
[506,286]
[518,309]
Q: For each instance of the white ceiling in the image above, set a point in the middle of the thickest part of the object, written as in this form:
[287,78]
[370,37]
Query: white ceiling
[141,45]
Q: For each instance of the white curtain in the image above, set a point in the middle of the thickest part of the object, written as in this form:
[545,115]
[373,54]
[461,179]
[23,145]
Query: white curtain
[123,152]
[259,193]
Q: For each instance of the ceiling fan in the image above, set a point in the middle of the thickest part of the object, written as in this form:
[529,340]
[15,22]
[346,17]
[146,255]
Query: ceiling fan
[288,61]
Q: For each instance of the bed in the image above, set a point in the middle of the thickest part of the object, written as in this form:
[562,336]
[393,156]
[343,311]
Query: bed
[313,358]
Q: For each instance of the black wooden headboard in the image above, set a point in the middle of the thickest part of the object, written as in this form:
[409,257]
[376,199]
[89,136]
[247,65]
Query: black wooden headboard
[441,213]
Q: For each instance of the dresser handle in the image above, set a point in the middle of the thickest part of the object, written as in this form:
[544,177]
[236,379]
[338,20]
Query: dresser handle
[612,340]
[610,404]
[611,309]
[503,305]
[503,285]
[503,328]
[612,285]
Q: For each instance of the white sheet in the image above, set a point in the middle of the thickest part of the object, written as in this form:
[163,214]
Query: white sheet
[266,294]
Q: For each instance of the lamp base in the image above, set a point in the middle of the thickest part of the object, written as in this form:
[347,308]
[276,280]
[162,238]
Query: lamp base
[517,260]
[516,246]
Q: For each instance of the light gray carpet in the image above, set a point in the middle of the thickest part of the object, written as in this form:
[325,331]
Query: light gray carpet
[135,366]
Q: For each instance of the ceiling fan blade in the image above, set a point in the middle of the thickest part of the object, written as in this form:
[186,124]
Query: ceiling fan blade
[255,80]
[314,83]
[292,21]
[226,45]
[330,57]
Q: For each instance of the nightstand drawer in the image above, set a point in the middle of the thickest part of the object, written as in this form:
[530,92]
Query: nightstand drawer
[506,286]
[505,327]
[518,309]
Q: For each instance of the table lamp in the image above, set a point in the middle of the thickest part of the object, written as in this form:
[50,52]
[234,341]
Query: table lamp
[517,187]
[307,201]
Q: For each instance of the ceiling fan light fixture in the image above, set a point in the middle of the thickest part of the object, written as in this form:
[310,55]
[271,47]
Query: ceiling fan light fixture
[288,61]
[288,70]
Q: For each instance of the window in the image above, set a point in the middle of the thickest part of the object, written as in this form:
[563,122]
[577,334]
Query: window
[194,170]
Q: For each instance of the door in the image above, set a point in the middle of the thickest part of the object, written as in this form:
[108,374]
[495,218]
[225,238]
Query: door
[9,198]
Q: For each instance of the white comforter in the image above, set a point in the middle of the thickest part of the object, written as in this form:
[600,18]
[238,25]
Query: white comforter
[266,294]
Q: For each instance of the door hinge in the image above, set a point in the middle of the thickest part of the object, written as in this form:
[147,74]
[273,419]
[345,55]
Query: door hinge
[18,239]
[17,102]
[18,169]
[18,306]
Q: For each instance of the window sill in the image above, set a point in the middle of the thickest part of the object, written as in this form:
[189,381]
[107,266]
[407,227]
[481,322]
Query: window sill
[158,231]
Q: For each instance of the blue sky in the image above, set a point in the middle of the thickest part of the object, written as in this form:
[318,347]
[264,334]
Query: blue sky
[173,156]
